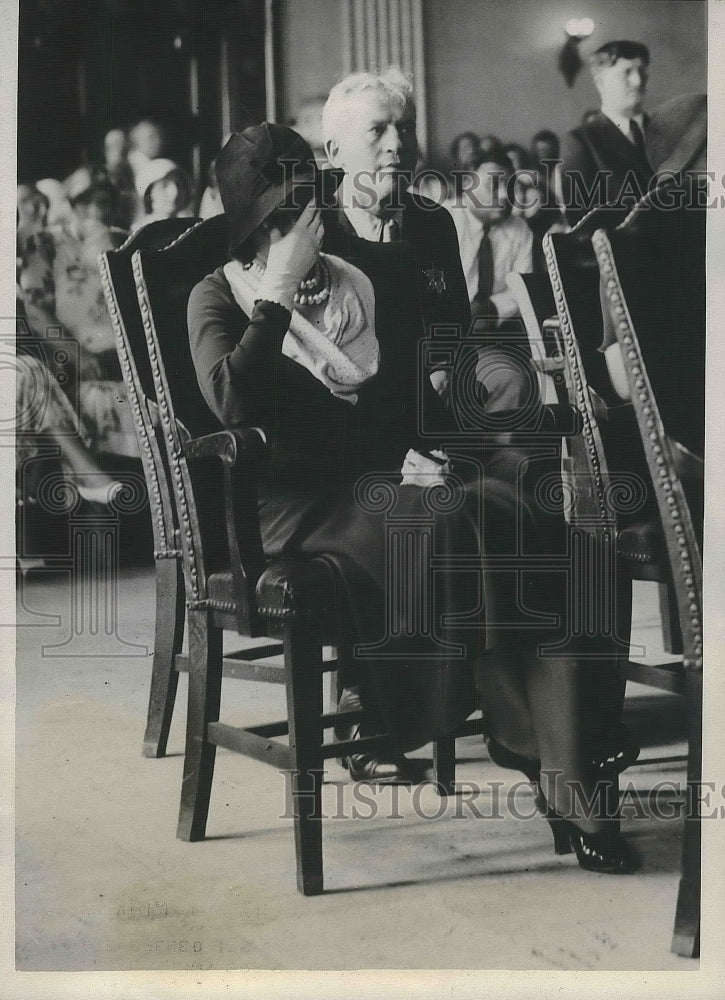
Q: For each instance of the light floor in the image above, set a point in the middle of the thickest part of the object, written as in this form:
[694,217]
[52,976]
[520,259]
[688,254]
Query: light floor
[102,883]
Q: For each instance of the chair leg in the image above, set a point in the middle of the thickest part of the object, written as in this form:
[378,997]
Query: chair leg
[205,677]
[303,662]
[444,765]
[168,640]
[686,935]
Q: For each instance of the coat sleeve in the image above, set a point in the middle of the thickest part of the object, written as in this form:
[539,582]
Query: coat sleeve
[579,177]
[460,306]
[237,358]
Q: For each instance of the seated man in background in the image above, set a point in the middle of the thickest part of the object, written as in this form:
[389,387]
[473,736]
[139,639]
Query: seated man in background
[493,243]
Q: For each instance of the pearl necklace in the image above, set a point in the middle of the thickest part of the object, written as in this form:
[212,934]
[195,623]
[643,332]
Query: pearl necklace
[310,291]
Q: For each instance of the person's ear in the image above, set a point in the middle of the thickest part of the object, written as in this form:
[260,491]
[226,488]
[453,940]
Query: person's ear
[333,153]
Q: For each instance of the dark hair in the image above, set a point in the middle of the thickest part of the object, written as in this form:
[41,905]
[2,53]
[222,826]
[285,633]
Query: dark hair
[545,135]
[183,183]
[287,212]
[453,148]
[493,151]
[245,252]
[104,196]
[610,52]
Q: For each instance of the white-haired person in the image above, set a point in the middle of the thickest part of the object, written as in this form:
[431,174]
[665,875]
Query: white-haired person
[407,246]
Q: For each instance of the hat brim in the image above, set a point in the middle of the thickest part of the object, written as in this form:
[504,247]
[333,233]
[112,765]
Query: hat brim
[322,186]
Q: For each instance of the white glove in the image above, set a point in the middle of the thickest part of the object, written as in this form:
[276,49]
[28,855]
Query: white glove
[422,470]
[291,257]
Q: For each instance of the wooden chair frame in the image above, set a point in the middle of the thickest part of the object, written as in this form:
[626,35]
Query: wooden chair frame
[676,565]
[685,563]
[595,492]
[117,280]
[303,627]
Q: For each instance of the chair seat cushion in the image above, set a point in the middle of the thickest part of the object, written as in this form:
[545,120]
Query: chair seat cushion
[643,543]
[287,588]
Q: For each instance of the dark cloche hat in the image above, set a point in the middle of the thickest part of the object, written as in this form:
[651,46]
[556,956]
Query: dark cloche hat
[259,169]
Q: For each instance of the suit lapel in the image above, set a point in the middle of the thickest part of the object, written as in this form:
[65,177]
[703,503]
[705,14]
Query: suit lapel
[614,152]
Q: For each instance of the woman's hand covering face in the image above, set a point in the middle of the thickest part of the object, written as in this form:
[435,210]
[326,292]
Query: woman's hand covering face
[295,252]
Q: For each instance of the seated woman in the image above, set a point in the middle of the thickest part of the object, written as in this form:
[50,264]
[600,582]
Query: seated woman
[165,191]
[43,413]
[293,341]
[59,285]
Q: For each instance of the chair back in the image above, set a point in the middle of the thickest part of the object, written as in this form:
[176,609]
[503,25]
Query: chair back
[575,282]
[574,276]
[653,266]
[655,269]
[164,281]
[119,290]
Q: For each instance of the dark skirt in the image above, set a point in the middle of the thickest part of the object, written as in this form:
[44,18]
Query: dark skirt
[421,568]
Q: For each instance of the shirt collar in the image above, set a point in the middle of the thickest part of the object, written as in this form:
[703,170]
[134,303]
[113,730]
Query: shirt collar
[476,225]
[622,121]
[366,225]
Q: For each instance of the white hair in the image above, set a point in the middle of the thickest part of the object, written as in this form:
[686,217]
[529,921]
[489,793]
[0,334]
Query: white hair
[392,82]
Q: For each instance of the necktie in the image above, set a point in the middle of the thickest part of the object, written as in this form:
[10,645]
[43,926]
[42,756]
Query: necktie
[485,267]
[637,136]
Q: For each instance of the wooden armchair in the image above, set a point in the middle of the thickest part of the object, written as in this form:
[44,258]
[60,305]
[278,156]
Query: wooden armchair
[120,293]
[231,586]
[609,496]
[653,270]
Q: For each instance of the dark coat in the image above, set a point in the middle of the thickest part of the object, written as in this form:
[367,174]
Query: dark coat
[600,166]
[319,445]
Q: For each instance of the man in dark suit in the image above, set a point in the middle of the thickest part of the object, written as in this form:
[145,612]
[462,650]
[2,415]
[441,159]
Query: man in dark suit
[604,162]
[407,247]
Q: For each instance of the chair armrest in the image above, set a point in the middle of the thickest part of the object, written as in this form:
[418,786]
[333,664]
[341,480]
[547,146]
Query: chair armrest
[551,335]
[228,445]
[548,365]
[238,450]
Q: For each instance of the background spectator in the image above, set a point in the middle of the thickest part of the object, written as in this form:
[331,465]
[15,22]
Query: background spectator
[165,191]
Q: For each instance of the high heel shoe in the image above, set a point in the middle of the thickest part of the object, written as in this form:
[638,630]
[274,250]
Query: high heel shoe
[606,852]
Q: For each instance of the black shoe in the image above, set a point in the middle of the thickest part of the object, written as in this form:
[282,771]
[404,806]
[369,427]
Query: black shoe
[606,852]
[381,770]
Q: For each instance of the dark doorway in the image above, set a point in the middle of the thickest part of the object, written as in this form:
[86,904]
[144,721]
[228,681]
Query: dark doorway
[91,65]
